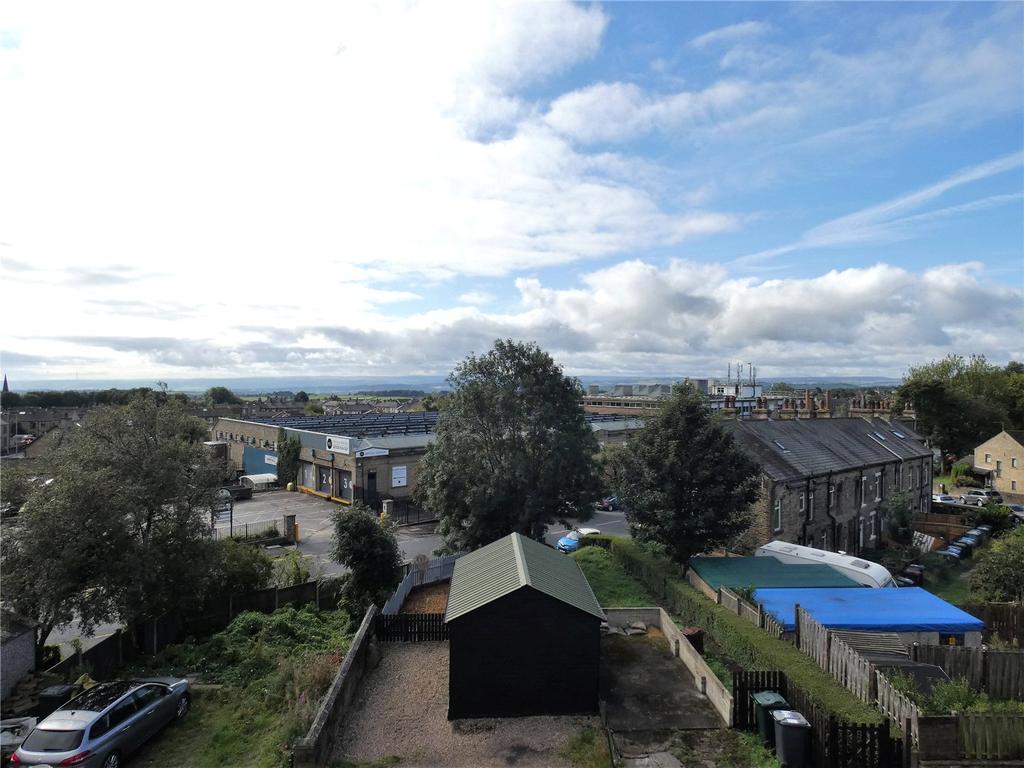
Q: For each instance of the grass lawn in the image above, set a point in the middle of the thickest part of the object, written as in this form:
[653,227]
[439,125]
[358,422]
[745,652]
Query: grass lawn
[612,586]
[588,749]
[949,580]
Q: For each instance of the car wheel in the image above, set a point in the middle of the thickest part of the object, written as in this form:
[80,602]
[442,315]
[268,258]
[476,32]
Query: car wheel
[182,709]
[113,760]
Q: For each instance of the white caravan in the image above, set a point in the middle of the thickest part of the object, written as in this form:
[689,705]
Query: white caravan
[862,571]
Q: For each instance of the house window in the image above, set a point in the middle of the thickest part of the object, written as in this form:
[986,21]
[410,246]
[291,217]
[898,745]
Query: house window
[988,458]
[803,502]
[831,497]
[878,486]
[872,522]
[778,515]
[810,511]
[1013,485]
[999,469]
[863,490]
[1013,462]
[824,539]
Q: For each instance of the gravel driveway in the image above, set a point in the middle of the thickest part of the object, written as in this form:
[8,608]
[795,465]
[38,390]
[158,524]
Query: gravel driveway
[402,711]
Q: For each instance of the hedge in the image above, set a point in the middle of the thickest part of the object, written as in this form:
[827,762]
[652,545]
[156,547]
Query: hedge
[742,642]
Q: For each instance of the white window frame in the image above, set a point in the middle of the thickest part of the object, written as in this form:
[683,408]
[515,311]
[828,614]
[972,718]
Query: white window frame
[878,487]
[777,521]
[872,522]
[988,458]
[832,496]
[863,490]
[803,502]
[1013,462]
[810,507]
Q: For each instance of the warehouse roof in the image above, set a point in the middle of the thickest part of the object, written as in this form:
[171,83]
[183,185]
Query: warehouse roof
[907,609]
[793,448]
[766,572]
[511,563]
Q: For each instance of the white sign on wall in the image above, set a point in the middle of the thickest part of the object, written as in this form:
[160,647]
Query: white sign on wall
[271,460]
[398,477]
[339,444]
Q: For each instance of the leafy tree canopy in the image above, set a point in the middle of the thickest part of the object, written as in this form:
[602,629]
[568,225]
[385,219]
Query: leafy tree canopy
[683,481]
[288,449]
[897,511]
[371,554]
[222,396]
[122,531]
[301,396]
[512,450]
[961,402]
[998,575]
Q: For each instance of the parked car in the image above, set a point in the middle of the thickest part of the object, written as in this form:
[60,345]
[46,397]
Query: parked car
[571,541]
[610,503]
[952,551]
[942,498]
[979,497]
[101,726]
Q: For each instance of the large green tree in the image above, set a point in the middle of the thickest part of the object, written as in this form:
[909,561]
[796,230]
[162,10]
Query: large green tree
[222,396]
[371,554]
[683,481]
[513,450]
[961,402]
[122,532]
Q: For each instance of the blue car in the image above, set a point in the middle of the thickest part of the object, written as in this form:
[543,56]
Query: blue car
[571,541]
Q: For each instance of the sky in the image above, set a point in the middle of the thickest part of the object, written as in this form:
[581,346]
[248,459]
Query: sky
[269,189]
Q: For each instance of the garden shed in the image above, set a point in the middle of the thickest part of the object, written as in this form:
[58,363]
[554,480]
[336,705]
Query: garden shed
[524,633]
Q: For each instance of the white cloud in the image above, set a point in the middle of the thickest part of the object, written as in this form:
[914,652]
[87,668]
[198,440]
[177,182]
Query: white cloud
[732,33]
[476,297]
[631,317]
[887,221]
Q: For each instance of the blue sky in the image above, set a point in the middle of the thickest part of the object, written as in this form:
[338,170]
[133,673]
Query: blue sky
[641,188]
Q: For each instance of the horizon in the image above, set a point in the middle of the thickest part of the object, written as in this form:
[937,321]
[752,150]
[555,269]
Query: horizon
[195,191]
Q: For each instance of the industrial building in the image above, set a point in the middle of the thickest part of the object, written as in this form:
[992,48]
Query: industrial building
[356,457]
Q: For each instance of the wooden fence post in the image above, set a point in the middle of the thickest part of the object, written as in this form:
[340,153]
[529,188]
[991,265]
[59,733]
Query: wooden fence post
[796,611]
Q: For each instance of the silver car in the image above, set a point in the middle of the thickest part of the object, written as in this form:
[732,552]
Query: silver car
[99,727]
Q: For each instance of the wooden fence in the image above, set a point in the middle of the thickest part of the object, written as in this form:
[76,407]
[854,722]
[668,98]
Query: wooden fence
[836,656]
[897,706]
[755,614]
[991,736]
[999,673]
[1004,620]
[438,569]
[411,627]
[834,743]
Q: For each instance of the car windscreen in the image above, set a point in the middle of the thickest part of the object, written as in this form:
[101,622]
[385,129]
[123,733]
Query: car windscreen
[574,536]
[42,740]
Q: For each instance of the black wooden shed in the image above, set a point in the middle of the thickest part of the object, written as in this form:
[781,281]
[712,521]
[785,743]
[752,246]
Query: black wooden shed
[524,633]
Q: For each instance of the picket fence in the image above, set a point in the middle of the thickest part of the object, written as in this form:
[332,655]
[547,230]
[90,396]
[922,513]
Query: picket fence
[999,673]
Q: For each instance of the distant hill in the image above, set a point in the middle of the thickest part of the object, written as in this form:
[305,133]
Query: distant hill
[387,384]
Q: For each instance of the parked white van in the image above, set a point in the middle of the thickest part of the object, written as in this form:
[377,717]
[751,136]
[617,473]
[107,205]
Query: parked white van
[862,571]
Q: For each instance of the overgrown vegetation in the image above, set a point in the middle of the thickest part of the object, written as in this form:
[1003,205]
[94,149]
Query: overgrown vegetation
[950,696]
[724,749]
[275,669]
[999,574]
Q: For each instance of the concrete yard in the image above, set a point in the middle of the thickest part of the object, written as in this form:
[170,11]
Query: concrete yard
[649,694]
[401,711]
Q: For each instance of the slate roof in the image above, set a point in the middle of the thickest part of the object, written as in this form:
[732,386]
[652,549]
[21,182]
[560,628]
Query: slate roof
[512,563]
[794,448]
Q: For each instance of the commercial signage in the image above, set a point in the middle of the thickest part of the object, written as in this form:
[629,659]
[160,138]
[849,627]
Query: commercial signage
[271,460]
[398,477]
[339,444]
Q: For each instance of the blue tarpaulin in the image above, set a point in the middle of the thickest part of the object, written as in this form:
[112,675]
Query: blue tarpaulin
[908,609]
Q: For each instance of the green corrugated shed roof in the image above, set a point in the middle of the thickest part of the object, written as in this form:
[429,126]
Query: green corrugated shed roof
[514,562]
[766,573]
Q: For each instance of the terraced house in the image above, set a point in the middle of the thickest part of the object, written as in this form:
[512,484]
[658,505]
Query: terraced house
[825,481]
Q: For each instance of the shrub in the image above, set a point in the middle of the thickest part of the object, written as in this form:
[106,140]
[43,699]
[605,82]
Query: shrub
[996,515]
[741,641]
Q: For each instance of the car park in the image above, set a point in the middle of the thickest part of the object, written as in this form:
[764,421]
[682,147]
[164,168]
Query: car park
[942,498]
[571,541]
[100,727]
[979,497]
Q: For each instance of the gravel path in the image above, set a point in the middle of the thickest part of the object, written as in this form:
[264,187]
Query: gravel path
[402,711]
